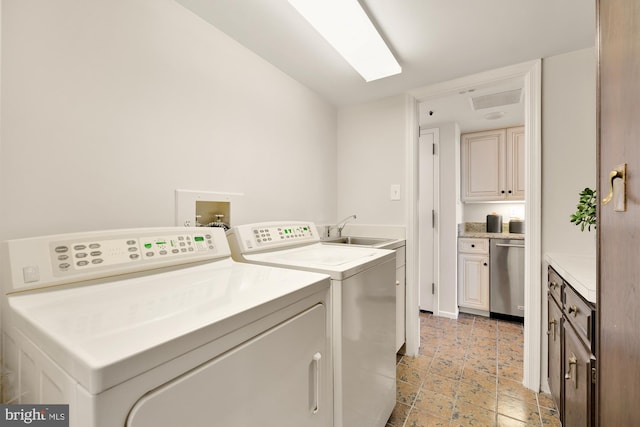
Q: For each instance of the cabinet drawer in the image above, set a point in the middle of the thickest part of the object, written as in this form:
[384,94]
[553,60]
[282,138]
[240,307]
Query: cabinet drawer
[555,285]
[473,246]
[580,314]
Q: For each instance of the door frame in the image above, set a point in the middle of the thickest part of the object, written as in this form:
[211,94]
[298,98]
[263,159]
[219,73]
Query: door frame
[531,73]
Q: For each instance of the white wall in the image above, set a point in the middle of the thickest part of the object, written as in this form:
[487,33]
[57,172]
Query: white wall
[108,107]
[371,157]
[477,212]
[568,147]
[568,158]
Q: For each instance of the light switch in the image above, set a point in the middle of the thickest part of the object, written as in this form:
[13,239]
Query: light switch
[30,274]
[395,192]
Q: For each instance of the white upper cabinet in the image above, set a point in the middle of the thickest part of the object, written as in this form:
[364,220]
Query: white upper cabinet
[493,165]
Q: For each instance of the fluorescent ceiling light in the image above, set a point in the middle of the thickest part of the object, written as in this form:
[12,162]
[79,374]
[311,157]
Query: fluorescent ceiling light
[345,25]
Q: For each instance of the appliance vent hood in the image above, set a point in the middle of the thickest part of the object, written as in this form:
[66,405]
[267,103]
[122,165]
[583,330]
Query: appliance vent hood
[496,99]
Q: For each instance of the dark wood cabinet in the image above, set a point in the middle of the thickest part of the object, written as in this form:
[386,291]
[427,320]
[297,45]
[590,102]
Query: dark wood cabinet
[572,361]
[555,346]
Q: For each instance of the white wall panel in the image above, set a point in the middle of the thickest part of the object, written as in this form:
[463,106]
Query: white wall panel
[108,107]
[371,158]
[568,147]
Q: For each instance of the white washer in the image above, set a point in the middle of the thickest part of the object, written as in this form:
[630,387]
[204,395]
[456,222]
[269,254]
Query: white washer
[160,327]
[363,302]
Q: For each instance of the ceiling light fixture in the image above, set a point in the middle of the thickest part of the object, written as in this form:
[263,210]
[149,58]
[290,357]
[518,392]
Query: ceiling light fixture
[345,25]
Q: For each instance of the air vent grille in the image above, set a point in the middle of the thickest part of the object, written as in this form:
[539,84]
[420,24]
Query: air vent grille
[496,99]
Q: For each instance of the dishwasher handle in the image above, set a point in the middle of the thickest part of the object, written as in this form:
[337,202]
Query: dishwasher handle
[508,245]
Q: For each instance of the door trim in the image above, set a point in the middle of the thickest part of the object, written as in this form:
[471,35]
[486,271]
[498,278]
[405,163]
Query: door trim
[531,73]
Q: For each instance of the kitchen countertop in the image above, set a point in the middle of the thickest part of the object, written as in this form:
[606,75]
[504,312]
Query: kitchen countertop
[578,270]
[478,230]
[485,235]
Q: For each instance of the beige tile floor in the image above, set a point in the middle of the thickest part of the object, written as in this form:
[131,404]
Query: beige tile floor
[468,373]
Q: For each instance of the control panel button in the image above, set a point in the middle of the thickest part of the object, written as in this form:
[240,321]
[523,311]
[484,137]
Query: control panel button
[62,249]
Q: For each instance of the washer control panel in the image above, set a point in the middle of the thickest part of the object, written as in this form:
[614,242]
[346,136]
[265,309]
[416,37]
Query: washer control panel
[268,235]
[261,236]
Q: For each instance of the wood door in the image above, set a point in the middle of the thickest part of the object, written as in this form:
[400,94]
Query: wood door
[618,339]
[427,244]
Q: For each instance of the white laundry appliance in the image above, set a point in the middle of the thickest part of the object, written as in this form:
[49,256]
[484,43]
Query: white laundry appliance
[363,302]
[160,327]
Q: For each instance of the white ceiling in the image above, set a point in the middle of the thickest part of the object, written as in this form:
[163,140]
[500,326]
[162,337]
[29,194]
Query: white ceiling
[434,40]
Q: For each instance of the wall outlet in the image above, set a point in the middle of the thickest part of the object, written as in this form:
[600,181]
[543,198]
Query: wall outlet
[395,192]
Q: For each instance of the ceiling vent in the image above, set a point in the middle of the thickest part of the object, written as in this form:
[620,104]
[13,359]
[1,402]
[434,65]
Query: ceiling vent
[496,99]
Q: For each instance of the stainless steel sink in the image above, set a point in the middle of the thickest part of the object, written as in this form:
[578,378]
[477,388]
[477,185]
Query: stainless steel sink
[358,241]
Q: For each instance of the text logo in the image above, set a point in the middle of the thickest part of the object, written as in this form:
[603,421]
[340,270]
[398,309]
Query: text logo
[34,415]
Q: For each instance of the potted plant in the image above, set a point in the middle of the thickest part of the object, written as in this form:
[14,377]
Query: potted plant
[585,215]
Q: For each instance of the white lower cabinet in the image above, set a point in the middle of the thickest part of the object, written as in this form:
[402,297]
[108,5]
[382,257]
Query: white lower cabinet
[400,297]
[473,275]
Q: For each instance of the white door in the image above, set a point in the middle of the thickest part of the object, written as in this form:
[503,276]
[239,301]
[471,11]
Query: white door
[280,378]
[427,219]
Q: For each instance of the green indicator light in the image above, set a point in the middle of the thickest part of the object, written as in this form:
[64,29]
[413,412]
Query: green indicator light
[161,243]
[148,245]
[199,239]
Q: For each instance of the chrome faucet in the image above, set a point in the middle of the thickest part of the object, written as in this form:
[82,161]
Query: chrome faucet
[340,225]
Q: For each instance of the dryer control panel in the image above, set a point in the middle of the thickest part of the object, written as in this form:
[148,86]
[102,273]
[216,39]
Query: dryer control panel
[53,260]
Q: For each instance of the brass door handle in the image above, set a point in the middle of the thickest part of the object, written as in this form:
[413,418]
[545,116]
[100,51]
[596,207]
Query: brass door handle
[553,285]
[552,327]
[573,309]
[619,172]
[573,362]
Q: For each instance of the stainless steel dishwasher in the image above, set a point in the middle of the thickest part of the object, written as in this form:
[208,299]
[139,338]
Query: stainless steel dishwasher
[506,297]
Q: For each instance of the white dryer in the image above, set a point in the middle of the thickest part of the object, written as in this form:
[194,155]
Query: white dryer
[160,327]
[363,303]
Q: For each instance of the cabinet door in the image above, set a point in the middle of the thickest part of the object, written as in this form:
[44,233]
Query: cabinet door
[473,281]
[400,307]
[483,165]
[554,340]
[578,389]
[515,163]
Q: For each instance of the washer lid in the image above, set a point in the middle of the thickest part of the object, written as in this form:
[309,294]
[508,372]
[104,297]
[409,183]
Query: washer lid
[104,334]
[338,261]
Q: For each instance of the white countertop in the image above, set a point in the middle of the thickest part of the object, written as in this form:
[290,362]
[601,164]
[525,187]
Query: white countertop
[578,270]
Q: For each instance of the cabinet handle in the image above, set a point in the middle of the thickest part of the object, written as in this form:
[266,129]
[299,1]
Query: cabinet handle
[485,264]
[502,191]
[316,387]
[509,191]
[553,285]
[573,309]
[473,246]
[397,282]
[573,362]
[552,327]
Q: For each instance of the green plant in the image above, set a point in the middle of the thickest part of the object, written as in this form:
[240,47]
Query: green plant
[585,215]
